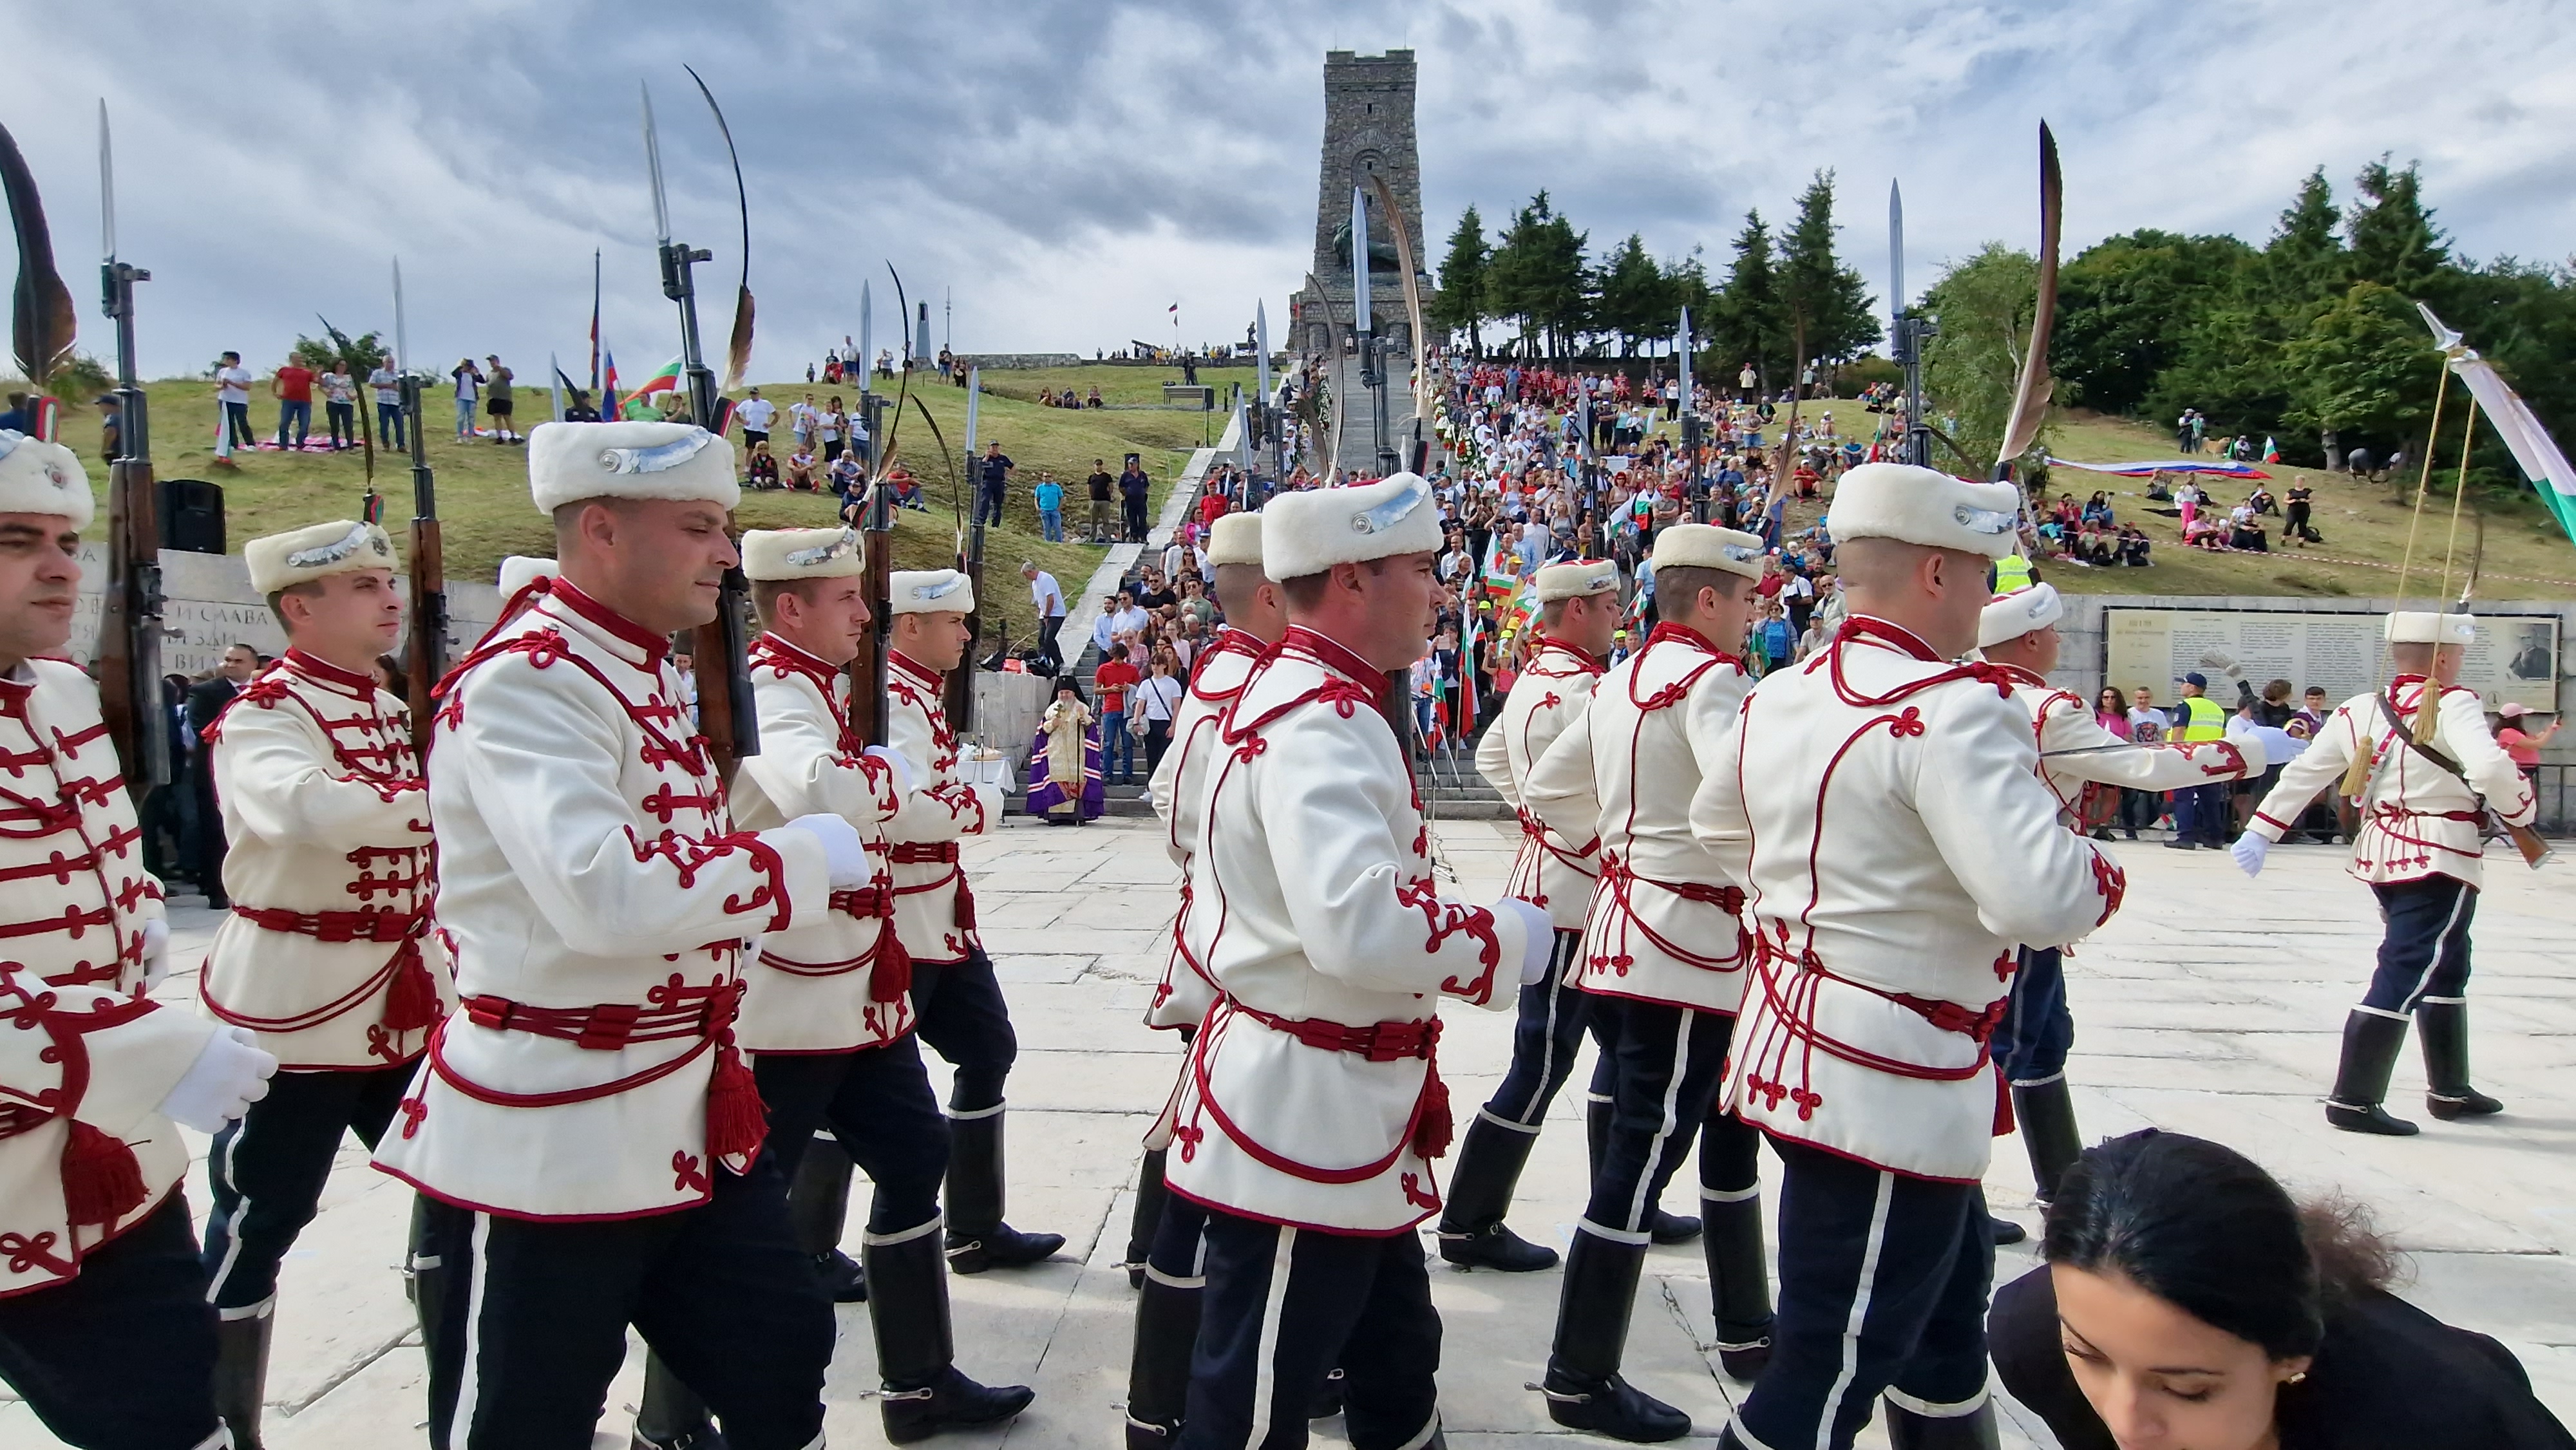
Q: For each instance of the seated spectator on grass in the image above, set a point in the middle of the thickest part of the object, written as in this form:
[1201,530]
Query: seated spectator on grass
[2245,531]
[2097,511]
[763,467]
[2133,546]
[800,470]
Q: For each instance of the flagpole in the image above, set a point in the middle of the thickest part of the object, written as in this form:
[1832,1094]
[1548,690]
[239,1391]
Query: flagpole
[594,322]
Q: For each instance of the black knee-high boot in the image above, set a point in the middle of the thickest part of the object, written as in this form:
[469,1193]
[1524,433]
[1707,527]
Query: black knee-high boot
[1151,1195]
[1739,1280]
[1583,1387]
[1158,1369]
[2443,1028]
[916,1349]
[1472,1233]
[2045,1114]
[241,1374]
[2370,1045]
[977,1237]
[670,1416]
[818,1208]
[1974,1430]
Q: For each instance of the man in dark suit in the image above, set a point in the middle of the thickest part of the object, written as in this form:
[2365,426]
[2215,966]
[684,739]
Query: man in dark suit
[206,700]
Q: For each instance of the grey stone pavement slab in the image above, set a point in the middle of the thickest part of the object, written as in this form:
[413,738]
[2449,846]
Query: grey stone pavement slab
[2210,1004]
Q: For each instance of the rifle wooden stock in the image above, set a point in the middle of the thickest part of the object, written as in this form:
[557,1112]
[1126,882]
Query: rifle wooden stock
[129,629]
[425,655]
[2530,843]
[726,715]
[868,668]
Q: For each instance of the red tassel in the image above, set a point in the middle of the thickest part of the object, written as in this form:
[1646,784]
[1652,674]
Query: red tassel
[101,1181]
[965,905]
[411,999]
[891,977]
[1431,1131]
[736,1120]
[2003,1103]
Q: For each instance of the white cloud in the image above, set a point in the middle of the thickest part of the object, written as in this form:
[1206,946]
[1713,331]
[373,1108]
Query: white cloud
[1072,170]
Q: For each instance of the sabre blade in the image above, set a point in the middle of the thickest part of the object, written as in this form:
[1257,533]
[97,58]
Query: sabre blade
[653,163]
[2030,396]
[1895,253]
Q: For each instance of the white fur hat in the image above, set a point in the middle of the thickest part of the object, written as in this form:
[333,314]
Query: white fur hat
[1576,579]
[2414,626]
[1923,506]
[1706,546]
[316,551]
[37,477]
[932,591]
[569,462]
[1308,533]
[1234,539]
[2010,616]
[775,554]
[518,571]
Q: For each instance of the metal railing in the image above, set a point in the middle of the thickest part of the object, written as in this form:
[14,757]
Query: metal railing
[2555,784]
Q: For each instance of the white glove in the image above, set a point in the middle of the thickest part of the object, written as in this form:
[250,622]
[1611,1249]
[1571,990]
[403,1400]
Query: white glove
[230,1074]
[895,762]
[156,953]
[843,852]
[1539,948]
[2249,851]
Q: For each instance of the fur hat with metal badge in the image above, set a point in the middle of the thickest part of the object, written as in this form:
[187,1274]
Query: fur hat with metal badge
[1706,546]
[1925,506]
[771,555]
[570,462]
[931,591]
[1308,533]
[1576,579]
[300,556]
[2010,616]
[2419,626]
[37,477]
[1234,539]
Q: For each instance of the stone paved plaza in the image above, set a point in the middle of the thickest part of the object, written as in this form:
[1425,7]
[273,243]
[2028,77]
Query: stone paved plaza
[2210,1005]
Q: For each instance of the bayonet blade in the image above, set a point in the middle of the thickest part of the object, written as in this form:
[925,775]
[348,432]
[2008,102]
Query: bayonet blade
[402,335]
[653,162]
[1895,254]
[2030,397]
[1362,312]
[106,188]
[867,346]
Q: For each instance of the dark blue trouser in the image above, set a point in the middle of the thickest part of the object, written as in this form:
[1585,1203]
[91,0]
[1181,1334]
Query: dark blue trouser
[988,504]
[1361,1303]
[267,1169]
[389,426]
[877,1102]
[537,1314]
[1117,750]
[2200,814]
[2424,952]
[299,414]
[962,1016]
[1545,1036]
[122,1357]
[1668,1061]
[1911,1260]
[2031,1043]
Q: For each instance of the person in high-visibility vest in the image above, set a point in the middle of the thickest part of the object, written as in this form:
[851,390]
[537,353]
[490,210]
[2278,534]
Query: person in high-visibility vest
[2013,572]
[2200,811]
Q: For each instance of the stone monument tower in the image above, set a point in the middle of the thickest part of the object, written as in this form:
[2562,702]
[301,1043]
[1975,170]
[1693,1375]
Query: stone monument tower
[1368,130]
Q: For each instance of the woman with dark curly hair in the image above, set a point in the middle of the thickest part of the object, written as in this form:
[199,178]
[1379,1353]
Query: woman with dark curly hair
[2188,1303]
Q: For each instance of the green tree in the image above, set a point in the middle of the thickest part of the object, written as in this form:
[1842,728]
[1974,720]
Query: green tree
[1537,275]
[1461,300]
[2394,241]
[2365,370]
[1825,304]
[2304,263]
[2126,308]
[1984,307]
[1745,324]
[1632,296]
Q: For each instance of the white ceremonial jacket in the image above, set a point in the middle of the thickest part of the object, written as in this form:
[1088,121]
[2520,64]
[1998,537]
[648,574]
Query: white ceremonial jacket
[842,982]
[325,953]
[1885,810]
[1553,870]
[90,1059]
[1183,998]
[595,897]
[2062,724]
[934,907]
[2417,819]
[1664,923]
[1312,1097]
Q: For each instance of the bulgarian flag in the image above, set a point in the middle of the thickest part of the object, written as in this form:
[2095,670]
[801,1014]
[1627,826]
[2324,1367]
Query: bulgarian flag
[2533,448]
[1501,587]
[664,381]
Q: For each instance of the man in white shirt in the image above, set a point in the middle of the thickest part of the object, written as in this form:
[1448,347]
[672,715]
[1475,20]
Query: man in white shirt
[1049,597]
[755,413]
[389,413]
[232,395]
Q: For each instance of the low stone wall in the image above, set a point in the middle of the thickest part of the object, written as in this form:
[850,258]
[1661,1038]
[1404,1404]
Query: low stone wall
[1012,361]
[208,605]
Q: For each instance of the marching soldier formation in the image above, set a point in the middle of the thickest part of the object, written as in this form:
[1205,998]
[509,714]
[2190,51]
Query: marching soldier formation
[626,1025]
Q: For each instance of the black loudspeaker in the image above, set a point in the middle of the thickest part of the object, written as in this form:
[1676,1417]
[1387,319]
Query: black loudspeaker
[192,515]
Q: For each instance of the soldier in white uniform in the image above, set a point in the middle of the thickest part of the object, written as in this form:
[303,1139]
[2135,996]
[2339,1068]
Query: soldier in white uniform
[2018,634]
[1885,814]
[1312,1105]
[958,1002]
[1163,1242]
[104,1326]
[2432,780]
[588,1103]
[325,952]
[1553,871]
[1663,962]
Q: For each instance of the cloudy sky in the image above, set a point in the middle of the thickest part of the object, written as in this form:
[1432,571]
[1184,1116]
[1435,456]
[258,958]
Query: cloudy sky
[1067,172]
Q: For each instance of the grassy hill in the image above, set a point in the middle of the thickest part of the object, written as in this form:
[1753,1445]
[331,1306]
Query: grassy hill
[483,487]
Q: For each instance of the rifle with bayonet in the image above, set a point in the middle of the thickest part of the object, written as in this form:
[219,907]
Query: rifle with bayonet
[425,654]
[726,716]
[129,632]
